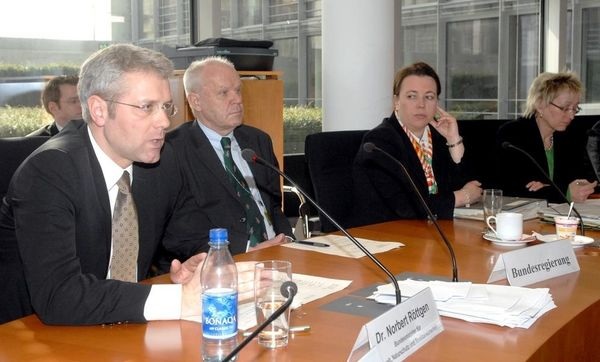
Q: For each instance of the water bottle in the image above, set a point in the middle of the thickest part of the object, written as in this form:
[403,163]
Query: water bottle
[219,299]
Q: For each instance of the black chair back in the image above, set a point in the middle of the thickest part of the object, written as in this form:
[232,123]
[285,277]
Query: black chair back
[330,156]
[13,151]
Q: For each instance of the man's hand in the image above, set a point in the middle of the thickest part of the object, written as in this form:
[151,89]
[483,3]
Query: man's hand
[245,271]
[279,239]
[189,274]
[181,273]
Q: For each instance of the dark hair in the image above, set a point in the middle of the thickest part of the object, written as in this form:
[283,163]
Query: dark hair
[420,69]
[51,92]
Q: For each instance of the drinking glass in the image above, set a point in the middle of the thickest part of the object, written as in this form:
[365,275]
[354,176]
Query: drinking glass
[492,204]
[268,278]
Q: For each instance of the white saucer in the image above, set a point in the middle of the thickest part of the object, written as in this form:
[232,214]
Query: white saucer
[578,242]
[495,240]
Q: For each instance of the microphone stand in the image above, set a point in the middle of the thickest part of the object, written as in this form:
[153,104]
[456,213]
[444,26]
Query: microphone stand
[370,147]
[289,290]
[251,156]
[507,145]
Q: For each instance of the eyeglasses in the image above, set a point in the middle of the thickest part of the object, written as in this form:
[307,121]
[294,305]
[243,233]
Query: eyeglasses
[151,108]
[567,109]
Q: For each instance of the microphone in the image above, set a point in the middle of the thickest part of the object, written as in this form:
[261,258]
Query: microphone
[250,156]
[370,147]
[508,146]
[288,289]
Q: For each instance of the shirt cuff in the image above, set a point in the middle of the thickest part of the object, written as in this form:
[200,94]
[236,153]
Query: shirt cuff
[164,302]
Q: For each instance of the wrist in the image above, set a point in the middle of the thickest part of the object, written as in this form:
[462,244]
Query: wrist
[456,143]
[467,198]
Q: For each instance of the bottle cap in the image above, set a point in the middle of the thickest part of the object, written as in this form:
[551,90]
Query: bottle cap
[218,235]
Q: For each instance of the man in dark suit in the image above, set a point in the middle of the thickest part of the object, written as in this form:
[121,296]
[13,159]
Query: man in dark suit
[213,90]
[59,242]
[59,99]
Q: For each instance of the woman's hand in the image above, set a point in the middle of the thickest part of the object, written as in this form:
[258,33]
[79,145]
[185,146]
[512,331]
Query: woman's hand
[535,186]
[447,126]
[581,189]
[469,194]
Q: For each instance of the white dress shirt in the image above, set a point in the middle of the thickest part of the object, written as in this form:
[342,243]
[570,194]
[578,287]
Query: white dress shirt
[164,300]
[236,152]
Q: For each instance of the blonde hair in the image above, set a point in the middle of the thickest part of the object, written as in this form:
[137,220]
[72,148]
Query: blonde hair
[547,86]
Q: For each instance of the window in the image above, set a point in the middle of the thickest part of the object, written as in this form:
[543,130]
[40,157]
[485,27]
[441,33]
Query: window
[486,52]
[314,70]
[287,61]
[283,10]
[590,53]
[250,12]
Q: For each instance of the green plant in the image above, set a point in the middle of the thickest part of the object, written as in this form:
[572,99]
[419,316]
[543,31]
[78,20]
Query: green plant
[19,121]
[298,122]
[19,70]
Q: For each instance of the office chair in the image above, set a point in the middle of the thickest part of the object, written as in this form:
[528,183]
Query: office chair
[13,151]
[330,156]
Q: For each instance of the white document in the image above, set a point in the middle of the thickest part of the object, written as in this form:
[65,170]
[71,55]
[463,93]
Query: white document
[481,303]
[309,288]
[342,246]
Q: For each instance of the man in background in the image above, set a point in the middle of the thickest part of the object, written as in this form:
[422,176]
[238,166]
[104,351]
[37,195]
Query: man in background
[243,198]
[60,100]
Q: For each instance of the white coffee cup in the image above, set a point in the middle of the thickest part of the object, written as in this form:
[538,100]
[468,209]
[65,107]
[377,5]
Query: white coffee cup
[509,225]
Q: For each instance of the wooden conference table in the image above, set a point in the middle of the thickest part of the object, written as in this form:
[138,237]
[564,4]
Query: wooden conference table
[569,332]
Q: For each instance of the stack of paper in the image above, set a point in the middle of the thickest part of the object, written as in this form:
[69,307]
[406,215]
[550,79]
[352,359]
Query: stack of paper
[481,303]
[589,210]
[527,206]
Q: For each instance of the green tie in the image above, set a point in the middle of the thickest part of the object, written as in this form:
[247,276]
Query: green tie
[255,225]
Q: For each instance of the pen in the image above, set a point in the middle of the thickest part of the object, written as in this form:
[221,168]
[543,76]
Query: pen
[294,329]
[312,243]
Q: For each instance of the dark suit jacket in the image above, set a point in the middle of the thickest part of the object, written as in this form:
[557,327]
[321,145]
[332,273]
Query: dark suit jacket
[47,130]
[212,190]
[515,170]
[390,196]
[57,207]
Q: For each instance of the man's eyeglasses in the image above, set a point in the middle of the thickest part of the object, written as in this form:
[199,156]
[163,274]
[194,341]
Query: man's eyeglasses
[151,108]
[567,109]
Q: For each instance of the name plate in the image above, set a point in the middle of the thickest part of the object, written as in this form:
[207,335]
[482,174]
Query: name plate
[535,263]
[399,332]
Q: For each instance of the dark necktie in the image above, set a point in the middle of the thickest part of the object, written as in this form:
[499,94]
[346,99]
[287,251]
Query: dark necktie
[123,265]
[255,225]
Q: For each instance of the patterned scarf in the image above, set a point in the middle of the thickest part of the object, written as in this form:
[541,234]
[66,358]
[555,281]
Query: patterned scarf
[424,149]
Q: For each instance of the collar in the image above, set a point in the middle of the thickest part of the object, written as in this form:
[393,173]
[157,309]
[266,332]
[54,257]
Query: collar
[423,140]
[110,170]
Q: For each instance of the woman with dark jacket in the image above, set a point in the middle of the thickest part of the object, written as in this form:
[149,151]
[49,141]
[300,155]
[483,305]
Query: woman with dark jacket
[426,140]
[552,103]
